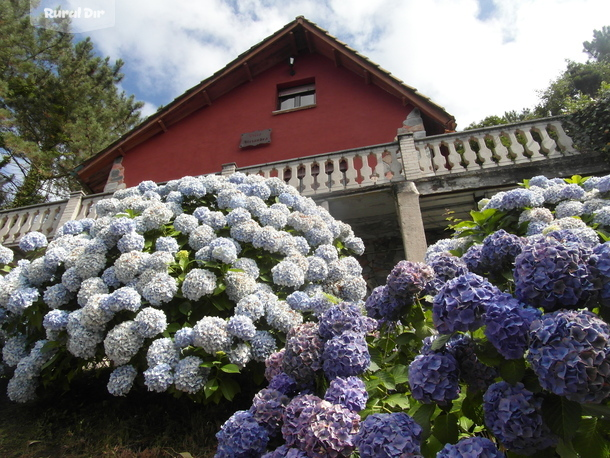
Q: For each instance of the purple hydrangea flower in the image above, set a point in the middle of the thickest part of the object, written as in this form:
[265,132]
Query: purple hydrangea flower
[433,377]
[241,437]
[552,275]
[283,383]
[512,413]
[507,325]
[285,452]
[345,355]
[446,267]
[472,447]
[273,364]
[472,259]
[499,251]
[350,392]
[342,317]
[329,431]
[381,305]
[602,271]
[570,353]
[407,279]
[385,435]
[296,416]
[303,354]
[461,303]
[268,407]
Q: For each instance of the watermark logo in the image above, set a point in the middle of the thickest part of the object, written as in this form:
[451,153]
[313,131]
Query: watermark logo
[72,16]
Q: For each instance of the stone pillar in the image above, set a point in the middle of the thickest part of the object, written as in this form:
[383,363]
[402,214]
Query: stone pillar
[410,221]
[228,169]
[410,156]
[116,178]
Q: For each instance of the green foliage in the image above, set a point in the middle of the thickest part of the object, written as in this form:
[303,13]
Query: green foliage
[59,105]
[599,47]
[589,126]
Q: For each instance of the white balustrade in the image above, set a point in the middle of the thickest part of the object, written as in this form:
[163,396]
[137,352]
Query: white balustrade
[468,151]
[344,170]
[491,147]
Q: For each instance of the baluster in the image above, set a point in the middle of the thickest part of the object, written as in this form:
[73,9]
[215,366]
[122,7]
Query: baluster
[485,154]
[16,230]
[455,158]
[469,155]
[6,224]
[564,142]
[516,148]
[335,177]
[424,157]
[547,145]
[294,180]
[366,171]
[378,175]
[351,174]
[308,181]
[395,166]
[501,151]
[531,146]
[439,161]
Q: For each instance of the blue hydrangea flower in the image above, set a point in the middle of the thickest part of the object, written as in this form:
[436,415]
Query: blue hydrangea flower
[471,447]
[512,413]
[184,337]
[198,283]
[433,377]
[122,226]
[507,325]
[350,392]
[341,317]
[553,275]
[210,333]
[241,437]
[161,288]
[56,320]
[345,355]
[169,244]
[14,350]
[601,271]
[570,353]
[499,252]
[149,322]
[381,305]
[6,255]
[241,327]
[461,303]
[287,273]
[32,241]
[56,295]
[121,380]
[189,376]
[21,299]
[446,267]
[125,298]
[162,350]
[159,378]
[186,223]
[388,435]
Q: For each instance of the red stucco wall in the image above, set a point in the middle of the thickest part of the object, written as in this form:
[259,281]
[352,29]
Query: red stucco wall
[349,114]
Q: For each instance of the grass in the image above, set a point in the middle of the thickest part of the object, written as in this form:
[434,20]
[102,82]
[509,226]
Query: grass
[87,421]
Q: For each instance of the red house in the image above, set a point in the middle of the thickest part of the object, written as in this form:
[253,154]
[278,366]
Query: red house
[298,93]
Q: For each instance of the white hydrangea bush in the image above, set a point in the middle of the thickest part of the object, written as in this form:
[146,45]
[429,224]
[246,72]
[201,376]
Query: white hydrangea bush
[174,286]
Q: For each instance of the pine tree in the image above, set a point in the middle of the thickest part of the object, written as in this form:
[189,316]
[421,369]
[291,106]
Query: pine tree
[59,105]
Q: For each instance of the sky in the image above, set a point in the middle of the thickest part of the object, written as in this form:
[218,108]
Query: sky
[473,57]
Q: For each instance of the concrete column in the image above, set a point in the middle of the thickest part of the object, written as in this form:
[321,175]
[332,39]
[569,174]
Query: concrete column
[71,209]
[409,156]
[410,220]
[228,169]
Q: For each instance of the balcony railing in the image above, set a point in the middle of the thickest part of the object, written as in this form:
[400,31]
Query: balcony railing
[355,169]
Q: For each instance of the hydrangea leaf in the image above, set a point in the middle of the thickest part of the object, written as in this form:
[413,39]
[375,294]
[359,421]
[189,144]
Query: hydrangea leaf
[229,388]
[562,416]
[387,380]
[472,406]
[441,341]
[596,410]
[445,428]
[230,369]
[422,416]
[488,354]
[589,440]
[398,400]
[400,373]
[512,370]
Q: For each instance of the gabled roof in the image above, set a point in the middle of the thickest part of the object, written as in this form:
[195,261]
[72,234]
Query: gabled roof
[299,36]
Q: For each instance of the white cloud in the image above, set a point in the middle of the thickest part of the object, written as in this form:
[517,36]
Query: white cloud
[472,67]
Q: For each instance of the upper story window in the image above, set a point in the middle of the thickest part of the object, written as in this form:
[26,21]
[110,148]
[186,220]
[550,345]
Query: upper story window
[296,97]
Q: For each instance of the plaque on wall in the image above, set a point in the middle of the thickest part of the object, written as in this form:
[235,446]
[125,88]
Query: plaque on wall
[258,137]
